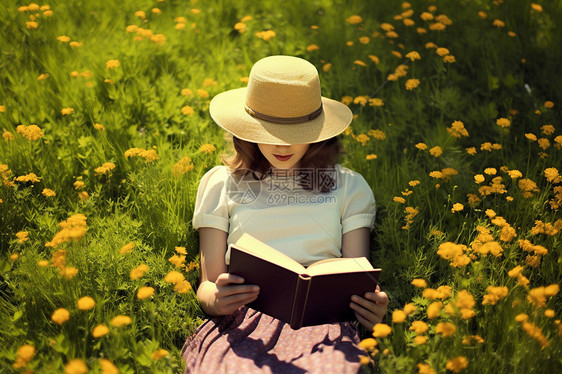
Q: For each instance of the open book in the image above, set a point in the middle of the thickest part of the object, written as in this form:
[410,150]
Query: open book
[301,296]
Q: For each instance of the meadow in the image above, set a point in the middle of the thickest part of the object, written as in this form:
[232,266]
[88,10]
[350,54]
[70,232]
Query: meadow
[106,133]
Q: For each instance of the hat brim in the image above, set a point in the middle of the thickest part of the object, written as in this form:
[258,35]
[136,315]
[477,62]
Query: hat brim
[228,111]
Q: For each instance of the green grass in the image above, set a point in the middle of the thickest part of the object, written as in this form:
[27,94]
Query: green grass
[140,103]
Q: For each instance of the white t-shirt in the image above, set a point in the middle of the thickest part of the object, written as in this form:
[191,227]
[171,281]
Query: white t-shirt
[307,226]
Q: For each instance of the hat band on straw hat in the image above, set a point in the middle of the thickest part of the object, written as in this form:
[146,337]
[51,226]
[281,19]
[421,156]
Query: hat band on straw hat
[284,120]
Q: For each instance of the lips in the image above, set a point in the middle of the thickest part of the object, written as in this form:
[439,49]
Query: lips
[283,158]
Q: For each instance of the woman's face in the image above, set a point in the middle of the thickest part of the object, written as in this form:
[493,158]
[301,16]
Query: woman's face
[283,156]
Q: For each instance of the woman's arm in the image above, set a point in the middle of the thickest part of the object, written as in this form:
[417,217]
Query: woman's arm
[371,308]
[215,293]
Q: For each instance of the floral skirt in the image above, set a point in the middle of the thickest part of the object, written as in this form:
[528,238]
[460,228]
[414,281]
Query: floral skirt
[248,341]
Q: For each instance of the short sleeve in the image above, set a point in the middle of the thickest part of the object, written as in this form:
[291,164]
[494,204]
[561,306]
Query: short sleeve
[359,203]
[211,208]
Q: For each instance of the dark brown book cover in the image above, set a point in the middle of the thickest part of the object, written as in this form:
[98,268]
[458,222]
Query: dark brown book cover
[299,299]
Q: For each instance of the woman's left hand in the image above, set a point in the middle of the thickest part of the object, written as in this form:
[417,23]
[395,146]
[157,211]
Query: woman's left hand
[370,310]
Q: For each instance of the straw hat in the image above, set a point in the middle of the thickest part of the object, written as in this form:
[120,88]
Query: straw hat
[282,104]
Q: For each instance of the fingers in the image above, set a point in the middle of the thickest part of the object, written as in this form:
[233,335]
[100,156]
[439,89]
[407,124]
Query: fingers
[362,320]
[225,279]
[233,290]
[378,297]
[365,308]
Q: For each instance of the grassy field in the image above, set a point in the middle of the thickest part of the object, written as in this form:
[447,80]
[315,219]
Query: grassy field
[106,133]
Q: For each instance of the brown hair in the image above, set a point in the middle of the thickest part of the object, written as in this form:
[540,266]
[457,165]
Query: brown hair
[320,159]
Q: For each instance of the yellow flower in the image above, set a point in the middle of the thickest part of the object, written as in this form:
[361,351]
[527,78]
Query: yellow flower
[106,168]
[99,331]
[22,236]
[112,64]
[381,330]
[145,292]
[465,300]
[399,199]
[60,316]
[174,277]
[377,134]
[531,137]
[419,283]
[42,77]
[498,23]
[141,14]
[359,62]
[364,40]
[160,353]
[31,177]
[436,151]
[494,295]
[68,272]
[187,110]
[312,47]
[183,287]
[446,329]
[76,366]
[412,83]
[548,129]
[421,146]
[449,59]
[457,207]
[107,367]
[67,111]
[368,344]
[549,313]
[536,7]
[375,59]
[371,156]
[120,320]
[457,364]
[266,35]
[426,16]
[398,316]
[409,308]
[433,309]
[187,92]
[425,369]
[139,271]
[75,44]
[375,102]
[85,303]
[420,340]
[457,129]
[468,340]
[63,39]
[548,104]
[503,122]
[413,56]
[238,26]
[24,354]
[354,20]
[442,51]
[419,327]
[183,166]
[31,25]
[43,263]
[207,148]
[127,248]
[535,332]
[32,132]
[7,135]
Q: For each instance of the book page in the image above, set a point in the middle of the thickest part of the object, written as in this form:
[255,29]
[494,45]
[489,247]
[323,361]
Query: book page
[339,265]
[259,249]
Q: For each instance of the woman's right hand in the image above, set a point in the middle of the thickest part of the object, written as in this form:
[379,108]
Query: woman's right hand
[231,295]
